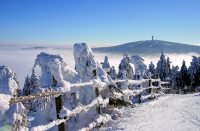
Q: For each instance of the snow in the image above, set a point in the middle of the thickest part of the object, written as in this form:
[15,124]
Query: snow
[8,83]
[140,67]
[4,105]
[89,69]
[167,113]
[53,65]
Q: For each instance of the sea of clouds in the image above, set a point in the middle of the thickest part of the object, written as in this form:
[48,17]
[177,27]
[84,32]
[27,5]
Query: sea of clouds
[21,61]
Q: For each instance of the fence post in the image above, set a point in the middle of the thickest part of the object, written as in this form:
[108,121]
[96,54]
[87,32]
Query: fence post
[98,108]
[139,97]
[59,105]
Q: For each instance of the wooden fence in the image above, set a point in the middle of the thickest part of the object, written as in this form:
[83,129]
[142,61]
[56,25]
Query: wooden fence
[150,93]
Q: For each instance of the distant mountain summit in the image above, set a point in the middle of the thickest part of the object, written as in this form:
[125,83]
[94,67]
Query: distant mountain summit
[150,47]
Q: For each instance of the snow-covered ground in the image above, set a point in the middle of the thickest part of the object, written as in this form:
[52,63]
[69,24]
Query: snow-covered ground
[167,113]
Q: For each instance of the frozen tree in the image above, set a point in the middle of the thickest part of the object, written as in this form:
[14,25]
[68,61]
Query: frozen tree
[152,70]
[15,114]
[113,73]
[183,76]
[168,67]
[88,69]
[106,64]
[140,67]
[123,85]
[31,86]
[8,82]
[127,66]
[194,73]
[34,82]
[55,75]
[174,79]
[26,89]
[54,66]
[161,68]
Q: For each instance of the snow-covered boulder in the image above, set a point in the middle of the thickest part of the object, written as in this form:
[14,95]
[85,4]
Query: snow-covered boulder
[8,82]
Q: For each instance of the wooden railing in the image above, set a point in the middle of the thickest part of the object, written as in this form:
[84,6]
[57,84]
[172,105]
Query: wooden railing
[124,95]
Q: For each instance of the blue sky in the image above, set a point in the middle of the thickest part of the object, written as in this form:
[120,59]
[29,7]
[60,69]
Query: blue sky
[98,22]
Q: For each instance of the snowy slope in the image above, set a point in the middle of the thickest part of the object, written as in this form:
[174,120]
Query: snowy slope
[167,113]
[150,47]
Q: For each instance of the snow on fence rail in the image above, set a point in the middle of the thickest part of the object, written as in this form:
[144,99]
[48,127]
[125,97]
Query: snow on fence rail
[77,86]
[98,101]
[47,94]
[125,94]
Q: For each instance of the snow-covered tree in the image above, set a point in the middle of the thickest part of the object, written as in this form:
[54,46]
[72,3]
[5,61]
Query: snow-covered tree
[14,114]
[113,73]
[183,76]
[174,79]
[106,63]
[123,85]
[88,69]
[26,89]
[140,67]
[161,68]
[168,67]
[8,82]
[194,73]
[127,66]
[152,70]
[55,75]
[34,82]
[31,86]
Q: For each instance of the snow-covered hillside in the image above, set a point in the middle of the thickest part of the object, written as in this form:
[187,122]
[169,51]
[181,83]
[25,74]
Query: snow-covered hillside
[167,113]
[150,47]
